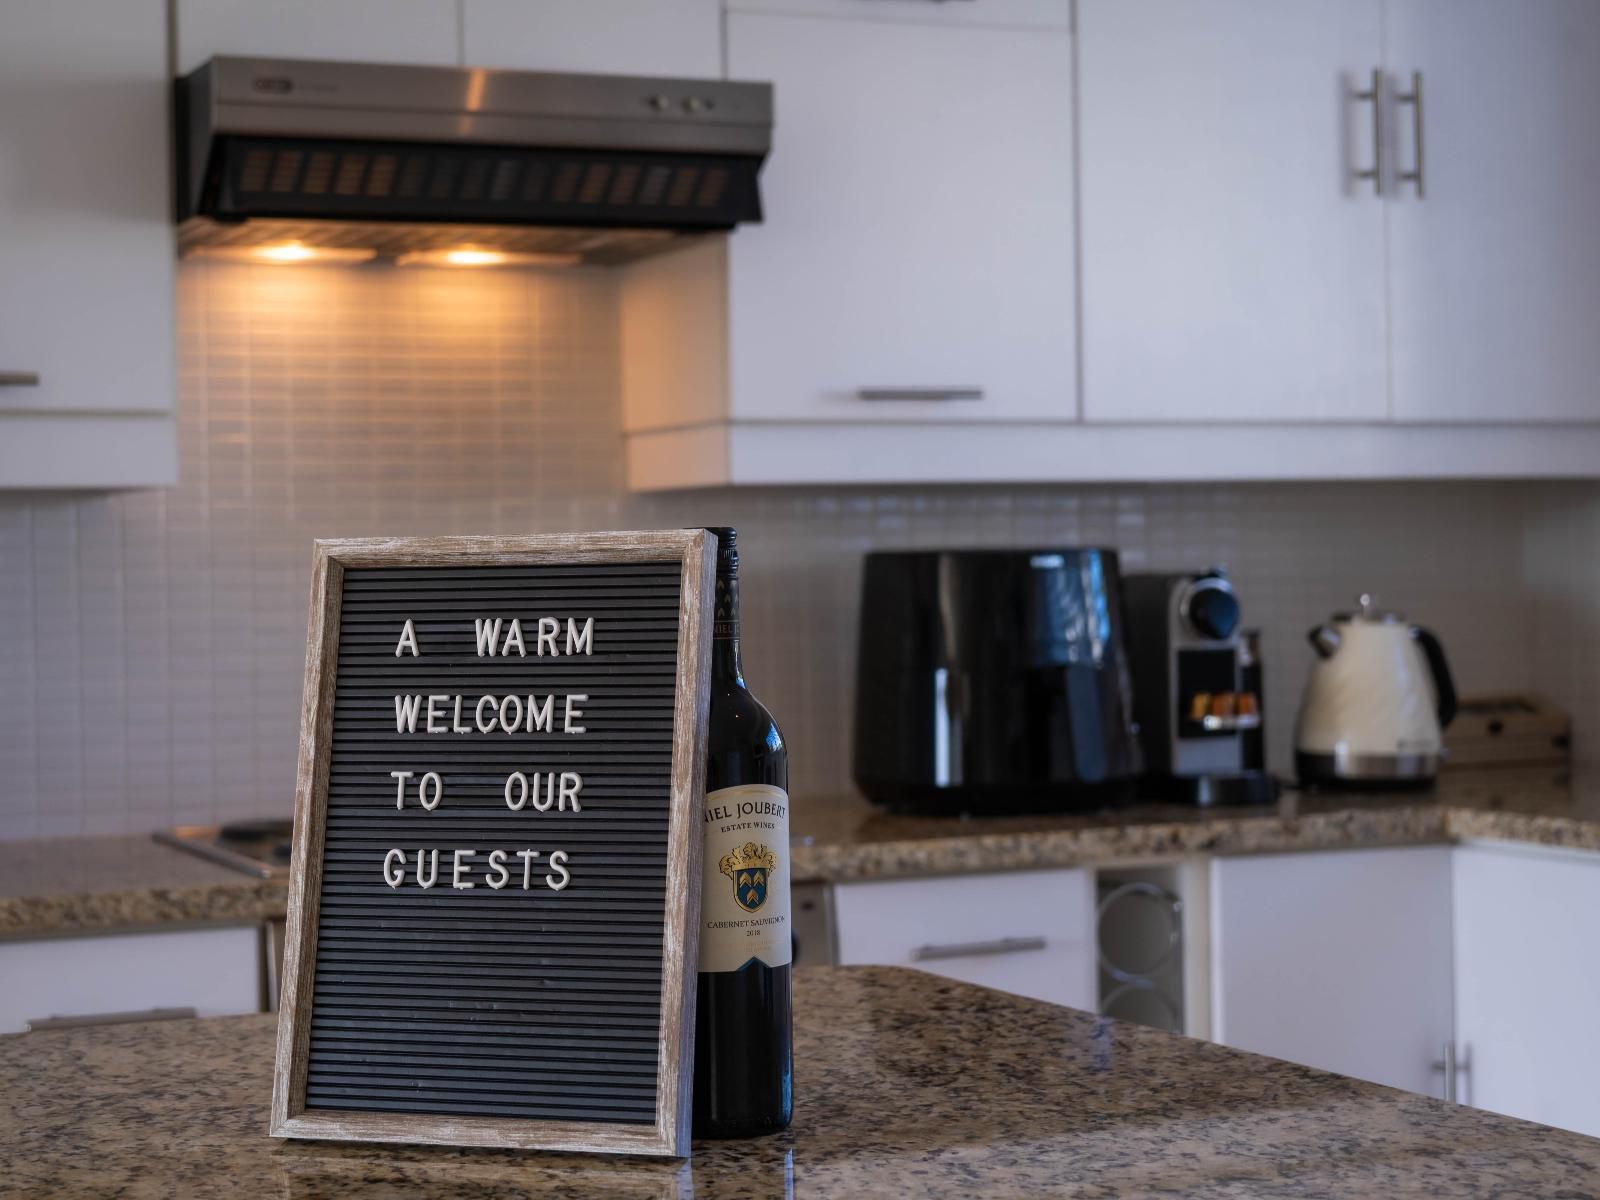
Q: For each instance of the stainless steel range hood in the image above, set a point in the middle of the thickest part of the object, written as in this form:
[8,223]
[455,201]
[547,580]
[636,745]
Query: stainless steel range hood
[602,168]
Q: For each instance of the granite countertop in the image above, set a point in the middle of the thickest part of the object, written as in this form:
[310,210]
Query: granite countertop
[76,885]
[906,1084]
[83,884]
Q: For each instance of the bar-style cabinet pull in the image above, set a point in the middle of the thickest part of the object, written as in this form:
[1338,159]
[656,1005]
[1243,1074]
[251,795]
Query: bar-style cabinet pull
[919,393]
[19,379]
[1007,945]
[1414,99]
[1455,1067]
[1374,94]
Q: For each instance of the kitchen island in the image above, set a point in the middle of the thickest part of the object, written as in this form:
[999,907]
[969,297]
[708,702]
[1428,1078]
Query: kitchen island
[906,1084]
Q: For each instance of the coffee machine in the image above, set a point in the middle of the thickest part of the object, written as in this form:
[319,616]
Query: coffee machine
[1197,689]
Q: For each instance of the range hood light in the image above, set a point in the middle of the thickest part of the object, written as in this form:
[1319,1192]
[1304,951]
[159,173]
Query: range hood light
[477,256]
[285,252]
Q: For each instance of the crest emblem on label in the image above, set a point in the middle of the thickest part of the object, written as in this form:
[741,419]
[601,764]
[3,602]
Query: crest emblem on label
[749,867]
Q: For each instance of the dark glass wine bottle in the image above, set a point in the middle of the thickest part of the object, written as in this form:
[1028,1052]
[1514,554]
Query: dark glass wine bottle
[743,1061]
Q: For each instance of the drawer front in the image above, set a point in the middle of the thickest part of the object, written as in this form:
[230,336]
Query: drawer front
[1016,14]
[216,972]
[1028,932]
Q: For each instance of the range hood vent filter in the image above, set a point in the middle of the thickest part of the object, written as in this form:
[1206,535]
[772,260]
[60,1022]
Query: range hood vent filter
[374,181]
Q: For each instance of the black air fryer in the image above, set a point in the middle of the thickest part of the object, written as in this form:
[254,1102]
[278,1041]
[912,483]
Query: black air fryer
[993,681]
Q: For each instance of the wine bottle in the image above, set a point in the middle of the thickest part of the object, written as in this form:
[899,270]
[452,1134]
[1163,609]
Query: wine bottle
[743,1060]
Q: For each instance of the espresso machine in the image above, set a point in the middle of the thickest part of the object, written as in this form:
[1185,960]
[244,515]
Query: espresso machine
[1197,689]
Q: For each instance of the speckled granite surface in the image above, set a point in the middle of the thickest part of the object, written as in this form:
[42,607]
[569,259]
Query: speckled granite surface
[907,1085]
[849,839]
[68,885]
[73,885]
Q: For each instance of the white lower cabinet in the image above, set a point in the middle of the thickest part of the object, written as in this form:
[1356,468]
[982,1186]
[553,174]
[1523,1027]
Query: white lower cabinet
[216,972]
[1339,960]
[1528,983]
[1027,932]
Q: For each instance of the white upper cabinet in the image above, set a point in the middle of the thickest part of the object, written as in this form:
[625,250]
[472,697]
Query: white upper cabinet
[916,257]
[86,246]
[1496,262]
[385,31]
[1018,14]
[1233,261]
[1528,983]
[1338,960]
[610,37]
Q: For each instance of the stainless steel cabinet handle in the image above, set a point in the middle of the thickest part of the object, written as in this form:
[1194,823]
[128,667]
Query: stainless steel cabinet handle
[1414,99]
[1455,1068]
[1447,1064]
[1375,95]
[1009,945]
[42,1024]
[919,393]
[19,379]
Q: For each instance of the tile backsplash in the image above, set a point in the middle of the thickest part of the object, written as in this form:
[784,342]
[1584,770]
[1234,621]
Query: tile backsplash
[152,643]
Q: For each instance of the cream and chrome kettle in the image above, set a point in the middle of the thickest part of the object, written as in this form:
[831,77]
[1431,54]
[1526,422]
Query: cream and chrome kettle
[1377,702]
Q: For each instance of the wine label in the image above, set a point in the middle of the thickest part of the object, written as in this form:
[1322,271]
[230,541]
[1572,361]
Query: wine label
[744,894]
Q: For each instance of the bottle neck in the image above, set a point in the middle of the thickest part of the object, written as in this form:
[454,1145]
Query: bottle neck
[725,664]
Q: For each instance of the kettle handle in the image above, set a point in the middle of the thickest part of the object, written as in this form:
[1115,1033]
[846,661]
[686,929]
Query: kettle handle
[1444,686]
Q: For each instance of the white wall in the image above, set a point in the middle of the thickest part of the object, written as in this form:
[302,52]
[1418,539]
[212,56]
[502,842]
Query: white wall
[151,644]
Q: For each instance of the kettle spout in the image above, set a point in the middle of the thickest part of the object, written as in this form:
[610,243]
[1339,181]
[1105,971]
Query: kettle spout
[1324,640]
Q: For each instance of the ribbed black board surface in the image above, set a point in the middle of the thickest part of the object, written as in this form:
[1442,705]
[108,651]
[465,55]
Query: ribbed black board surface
[511,1002]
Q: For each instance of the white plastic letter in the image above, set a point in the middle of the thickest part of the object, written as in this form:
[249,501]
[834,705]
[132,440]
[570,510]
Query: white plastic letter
[459,867]
[399,778]
[435,717]
[542,716]
[459,727]
[580,641]
[549,791]
[514,638]
[527,857]
[432,878]
[438,790]
[498,875]
[517,783]
[558,860]
[408,641]
[477,715]
[566,721]
[488,635]
[509,706]
[406,709]
[394,875]
[571,785]
[548,628]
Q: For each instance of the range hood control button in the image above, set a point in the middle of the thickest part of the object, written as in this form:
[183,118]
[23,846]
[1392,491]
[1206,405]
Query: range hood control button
[698,104]
[659,102]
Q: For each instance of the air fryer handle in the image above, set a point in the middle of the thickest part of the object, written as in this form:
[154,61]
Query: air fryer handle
[1443,685]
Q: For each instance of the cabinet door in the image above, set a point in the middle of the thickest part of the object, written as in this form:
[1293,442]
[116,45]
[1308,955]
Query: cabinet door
[1338,960]
[216,972]
[1496,266]
[1528,983]
[394,31]
[918,233]
[1233,264]
[86,246]
[1038,14]
[1028,932]
[611,37]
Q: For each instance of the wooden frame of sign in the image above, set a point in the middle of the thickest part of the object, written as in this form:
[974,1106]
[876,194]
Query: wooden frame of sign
[498,1017]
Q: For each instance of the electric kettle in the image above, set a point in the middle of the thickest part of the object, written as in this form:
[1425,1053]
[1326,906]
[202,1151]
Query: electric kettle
[1379,697]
